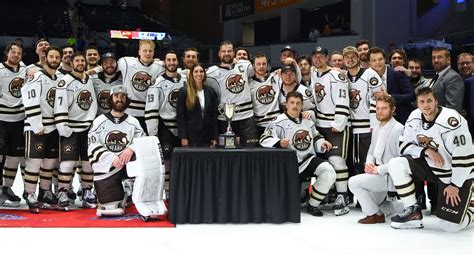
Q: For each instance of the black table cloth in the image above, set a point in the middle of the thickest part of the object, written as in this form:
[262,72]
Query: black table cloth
[250,185]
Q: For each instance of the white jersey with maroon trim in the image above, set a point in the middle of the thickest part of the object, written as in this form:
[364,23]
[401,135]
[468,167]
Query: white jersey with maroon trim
[265,93]
[108,137]
[38,96]
[330,90]
[301,133]
[137,78]
[162,100]
[102,86]
[232,86]
[11,81]
[75,104]
[361,101]
[448,134]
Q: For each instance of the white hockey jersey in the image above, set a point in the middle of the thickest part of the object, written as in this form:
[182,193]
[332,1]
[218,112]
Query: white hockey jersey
[302,134]
[108,137]
[102,86]
[232,86]
[330,90]
[308,101]
[137,78]
[162,100]
[38,96]
[31,70]
[448,134]
[75,104]
[11,81]
[361,100]
[60,73]
[265,94]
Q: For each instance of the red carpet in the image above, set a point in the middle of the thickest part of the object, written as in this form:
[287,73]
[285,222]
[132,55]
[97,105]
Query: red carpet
[75,218]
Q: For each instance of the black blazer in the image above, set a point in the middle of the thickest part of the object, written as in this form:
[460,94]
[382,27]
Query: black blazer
[199,129]
[399,86]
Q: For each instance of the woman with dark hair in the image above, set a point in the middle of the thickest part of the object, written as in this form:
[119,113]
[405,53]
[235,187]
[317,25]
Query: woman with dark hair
[197,111]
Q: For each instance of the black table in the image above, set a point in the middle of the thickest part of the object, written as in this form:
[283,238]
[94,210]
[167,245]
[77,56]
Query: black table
[234,185]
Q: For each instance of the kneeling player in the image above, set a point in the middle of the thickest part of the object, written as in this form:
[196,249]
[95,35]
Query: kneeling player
[436,144]
[111,147]
[290,130]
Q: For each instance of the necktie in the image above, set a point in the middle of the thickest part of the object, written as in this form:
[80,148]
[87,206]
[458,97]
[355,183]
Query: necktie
[433,80]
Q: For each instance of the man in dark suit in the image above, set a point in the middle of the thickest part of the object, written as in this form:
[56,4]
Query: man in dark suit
[396,84]
[447,84]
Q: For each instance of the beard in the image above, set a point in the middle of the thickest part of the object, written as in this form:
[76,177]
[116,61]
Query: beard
[78,69]
[171,69]
[52,65]
[118,106]
[414,79]
[110,71]
[227,59]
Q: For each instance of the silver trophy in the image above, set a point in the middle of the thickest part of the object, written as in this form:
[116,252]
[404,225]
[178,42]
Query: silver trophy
[227,140]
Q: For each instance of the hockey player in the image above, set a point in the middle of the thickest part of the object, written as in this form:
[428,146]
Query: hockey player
[330,90]
[66,65]
[138,74]
[190,58]
[105,80]
[436,144]
[265,89]
[41,45]
[288,83]
[372,187]
[111,146]
[12,147]
[92,57]
[291,130]
[42,139]
[363,83]
[304,63]
[242,53]
[231,82]
[160,109]
[75,107]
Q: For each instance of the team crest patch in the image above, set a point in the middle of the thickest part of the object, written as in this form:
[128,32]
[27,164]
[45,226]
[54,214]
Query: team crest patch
[373,81]
[265,94]
[102,99]
[67,148]
[320,92]
[39,146]
[50,96]
[116,141]
[453,121]
[341,76]
[308,93]
[84,99]
[173,98]
[302,140]
[235,83]
[141,81]
[61,83]
[15,87]
[354,98]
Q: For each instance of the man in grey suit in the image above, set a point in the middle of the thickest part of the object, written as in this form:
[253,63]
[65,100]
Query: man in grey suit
[447,84]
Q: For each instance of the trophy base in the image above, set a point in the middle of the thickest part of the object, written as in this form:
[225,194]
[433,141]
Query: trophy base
[228,141]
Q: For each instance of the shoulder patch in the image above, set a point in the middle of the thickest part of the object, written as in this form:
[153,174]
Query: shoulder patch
[341,76]
[308,93]
[61,84]
[453,121]
[373,81]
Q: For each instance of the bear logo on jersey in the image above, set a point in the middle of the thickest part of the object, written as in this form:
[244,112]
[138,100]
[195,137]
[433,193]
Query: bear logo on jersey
[320,92]
[84,100]
[426,141]
[116,141]
[235,83]
[15,87]
[302,140]
[39,146]
[453,121]
[102,99]
[265,94]
[341,76]
[50,96]
[355,98]
[141,81]
[173,98]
